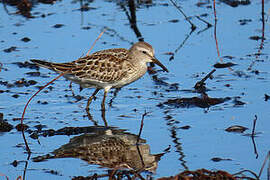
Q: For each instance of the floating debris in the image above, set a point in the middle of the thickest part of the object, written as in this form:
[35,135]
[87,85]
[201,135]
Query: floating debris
[244,21]
[22,82]
[11,49]
[33,74]
[4,126]
[21,127]
[266,97]
[25,39]
[224,65]
[58,25]
[235,3]
[203,102]
[237,102]
[201,174]
[217,159]
[236,128]
[174,21]
[256,38]
[185,127]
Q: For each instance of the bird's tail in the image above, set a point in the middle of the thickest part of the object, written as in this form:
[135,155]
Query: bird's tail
[58,67]
[41,63]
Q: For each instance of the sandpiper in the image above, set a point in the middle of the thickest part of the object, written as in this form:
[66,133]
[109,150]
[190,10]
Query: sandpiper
[106,69]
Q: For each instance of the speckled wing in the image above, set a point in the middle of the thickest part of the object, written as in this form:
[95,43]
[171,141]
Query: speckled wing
[102,68]
[96,70]
[120,53]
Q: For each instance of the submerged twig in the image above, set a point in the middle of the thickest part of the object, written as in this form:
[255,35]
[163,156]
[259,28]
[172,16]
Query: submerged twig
[95,41]
[208,24]
[215,31]
[25,168]
[253,127]
[5,7]
[254,146]
[264,162]
[193,27]
[24,110]
[262,39]
[181,45]
[141,127]
[200,83]
[251,172]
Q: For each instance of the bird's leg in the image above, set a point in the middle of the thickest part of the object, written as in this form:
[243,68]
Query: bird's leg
[104,118]
[106,90]
[90,99]
[91,118]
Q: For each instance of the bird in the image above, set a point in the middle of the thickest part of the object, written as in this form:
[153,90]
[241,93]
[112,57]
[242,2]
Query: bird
[106,69]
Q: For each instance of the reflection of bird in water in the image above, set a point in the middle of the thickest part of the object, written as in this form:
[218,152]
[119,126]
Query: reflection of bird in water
[117,151]
[106,69]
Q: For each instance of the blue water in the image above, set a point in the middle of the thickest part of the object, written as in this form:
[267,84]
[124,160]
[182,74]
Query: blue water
[194,147]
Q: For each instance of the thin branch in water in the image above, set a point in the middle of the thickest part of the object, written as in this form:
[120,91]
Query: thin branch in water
[182,44]
[268,169]
[95,41]
[140,155]
[215,12]
[254,146]
[138,139]
[24,110]
[241,172]
[193,27]
[262,39]
[140,132]
[215,31]
[5,7]
[208,24]
[111,32]
[25,167]
[253,127]
[200,83]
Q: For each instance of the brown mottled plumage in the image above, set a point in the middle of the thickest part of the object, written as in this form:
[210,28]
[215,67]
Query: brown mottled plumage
[109,148]
[106,69]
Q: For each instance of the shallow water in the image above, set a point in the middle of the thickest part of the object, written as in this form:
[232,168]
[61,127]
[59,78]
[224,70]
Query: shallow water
[194,54]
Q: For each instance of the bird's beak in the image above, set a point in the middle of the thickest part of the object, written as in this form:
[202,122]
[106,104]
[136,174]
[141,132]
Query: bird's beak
[159,63]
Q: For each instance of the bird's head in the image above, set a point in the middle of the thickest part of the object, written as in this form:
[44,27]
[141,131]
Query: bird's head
[145,52]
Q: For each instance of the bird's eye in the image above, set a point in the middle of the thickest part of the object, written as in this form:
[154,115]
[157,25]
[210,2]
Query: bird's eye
[144,52]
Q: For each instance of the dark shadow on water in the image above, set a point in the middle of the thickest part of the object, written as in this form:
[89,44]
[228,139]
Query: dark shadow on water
[132,18]
[203,102]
